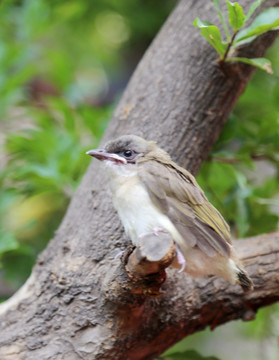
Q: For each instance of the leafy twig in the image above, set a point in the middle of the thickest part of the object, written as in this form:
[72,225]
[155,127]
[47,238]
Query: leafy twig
[265,21]
[224,57]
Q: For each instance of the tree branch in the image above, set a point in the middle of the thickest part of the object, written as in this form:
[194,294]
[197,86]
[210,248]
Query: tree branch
[147,263]
[77,303]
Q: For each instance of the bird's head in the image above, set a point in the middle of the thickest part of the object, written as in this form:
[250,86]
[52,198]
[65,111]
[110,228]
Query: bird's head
[125,150]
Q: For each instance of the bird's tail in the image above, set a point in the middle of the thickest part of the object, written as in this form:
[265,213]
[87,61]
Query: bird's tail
[244,281]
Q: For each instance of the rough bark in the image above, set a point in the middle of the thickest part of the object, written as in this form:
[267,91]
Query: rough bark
[77,303]
[145,265]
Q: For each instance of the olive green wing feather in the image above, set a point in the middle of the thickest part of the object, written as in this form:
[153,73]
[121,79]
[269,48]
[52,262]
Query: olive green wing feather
[176,192]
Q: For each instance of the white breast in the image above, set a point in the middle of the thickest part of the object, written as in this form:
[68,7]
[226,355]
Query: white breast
[134,206]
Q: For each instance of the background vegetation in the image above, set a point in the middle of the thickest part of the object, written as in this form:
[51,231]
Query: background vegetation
[63,65]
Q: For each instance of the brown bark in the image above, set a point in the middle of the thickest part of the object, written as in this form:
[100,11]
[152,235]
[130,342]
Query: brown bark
[77,303]
[146,264]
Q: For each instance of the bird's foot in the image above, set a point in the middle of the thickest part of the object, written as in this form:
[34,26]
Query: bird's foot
[120,253]
[124,254]
[180,259]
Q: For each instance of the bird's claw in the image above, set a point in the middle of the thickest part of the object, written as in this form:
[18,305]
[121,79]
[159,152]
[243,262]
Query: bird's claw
[180,259]
[120,253]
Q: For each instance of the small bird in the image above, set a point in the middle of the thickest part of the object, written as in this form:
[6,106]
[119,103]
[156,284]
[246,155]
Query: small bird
[151,193]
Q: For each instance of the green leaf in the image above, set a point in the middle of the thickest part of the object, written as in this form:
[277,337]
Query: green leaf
[223,21]
[7,242]
[267,20]
[260,220]
[261,63]
[236,15]
[253,8]
[212,34]
[216,5]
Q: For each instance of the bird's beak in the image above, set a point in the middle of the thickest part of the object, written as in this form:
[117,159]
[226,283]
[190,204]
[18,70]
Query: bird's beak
[102,155]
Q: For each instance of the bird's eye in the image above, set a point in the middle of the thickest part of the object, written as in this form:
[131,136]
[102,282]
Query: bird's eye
[128,153]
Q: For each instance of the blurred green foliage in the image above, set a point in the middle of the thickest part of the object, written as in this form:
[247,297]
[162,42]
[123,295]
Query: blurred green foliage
[187,355]
[62,66]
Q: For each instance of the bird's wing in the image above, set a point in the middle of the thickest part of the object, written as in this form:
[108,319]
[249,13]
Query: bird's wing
[176,192]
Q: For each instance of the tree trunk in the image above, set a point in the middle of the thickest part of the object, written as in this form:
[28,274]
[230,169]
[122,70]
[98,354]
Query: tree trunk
[77,303]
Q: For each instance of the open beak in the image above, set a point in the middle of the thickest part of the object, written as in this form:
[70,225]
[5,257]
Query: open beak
[102,155]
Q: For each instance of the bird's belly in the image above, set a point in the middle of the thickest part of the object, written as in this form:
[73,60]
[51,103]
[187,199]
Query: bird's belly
[138,213]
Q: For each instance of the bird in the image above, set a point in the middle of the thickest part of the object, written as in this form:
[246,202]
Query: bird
[151,193]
